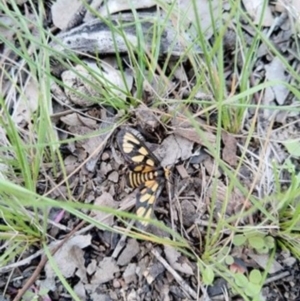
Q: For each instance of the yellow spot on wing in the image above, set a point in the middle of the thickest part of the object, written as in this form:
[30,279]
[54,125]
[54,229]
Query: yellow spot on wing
[154,186]
[144,212]
[139,168]
[127,147]
[131,138]
[143,151]
[138,158]
[145,197]
[148,194]
[140,211]
[143,190]
[151,199]
[148,214]
[147,168]
[150,162]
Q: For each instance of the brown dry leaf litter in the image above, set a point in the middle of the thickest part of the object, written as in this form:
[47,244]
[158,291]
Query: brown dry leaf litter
[105,200]
[255,9]
[176,148]
[177,261]
[63,12]
[230,149]
[70,260]
[82,86]
[140,270]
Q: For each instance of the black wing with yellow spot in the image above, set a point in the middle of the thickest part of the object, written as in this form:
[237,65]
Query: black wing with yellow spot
[145,170]
[146,197]
[136,153]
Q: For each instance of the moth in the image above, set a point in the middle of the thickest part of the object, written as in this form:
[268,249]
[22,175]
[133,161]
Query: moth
[145,171]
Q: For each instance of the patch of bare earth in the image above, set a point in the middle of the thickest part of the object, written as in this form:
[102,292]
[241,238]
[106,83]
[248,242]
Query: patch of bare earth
[101,264]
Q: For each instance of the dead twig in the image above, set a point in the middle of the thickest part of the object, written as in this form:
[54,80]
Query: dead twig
[185,287]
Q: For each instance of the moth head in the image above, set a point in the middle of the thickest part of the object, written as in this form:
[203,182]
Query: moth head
[167,171]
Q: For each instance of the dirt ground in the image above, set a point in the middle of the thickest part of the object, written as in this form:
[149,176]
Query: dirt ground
[122,260]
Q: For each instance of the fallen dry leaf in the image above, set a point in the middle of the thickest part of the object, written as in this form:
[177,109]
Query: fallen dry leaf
[174,148]
[75,119]
[234,198]
[80,291]
[156,88]
[230,149]
[211,167]
[255,9]
[173,257]
[70,252]
[105,272]
[114,177]
[63,12]
[105,200]
[88,145]
[71,163]
[263,260]
[129,274]
[182,171]
[27,104]
[290,5]
[132,249]
[204,8]
[92,267]
[114,6]
[113,79]
[153,271]
[188,212]
[77,87]
[183,127]
[146,119]
[89,122]
[276,71]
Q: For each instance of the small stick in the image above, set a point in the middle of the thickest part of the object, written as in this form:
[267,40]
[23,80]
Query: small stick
[185,287]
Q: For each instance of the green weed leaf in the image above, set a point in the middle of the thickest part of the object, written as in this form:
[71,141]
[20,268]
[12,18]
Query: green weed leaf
[255,276]
[241,280]
[293,147]
[239,240]
[208,276]
[256,242]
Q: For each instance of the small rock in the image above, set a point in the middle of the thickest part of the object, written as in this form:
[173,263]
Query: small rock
[114,177]
[289,261]
[101,297]
[105,272]
[105,156]
[131,250]
[129,274]
[188,213]
[91,268]
[132,296]
[177,261]
[153,271]
[116,283]
[105,168]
